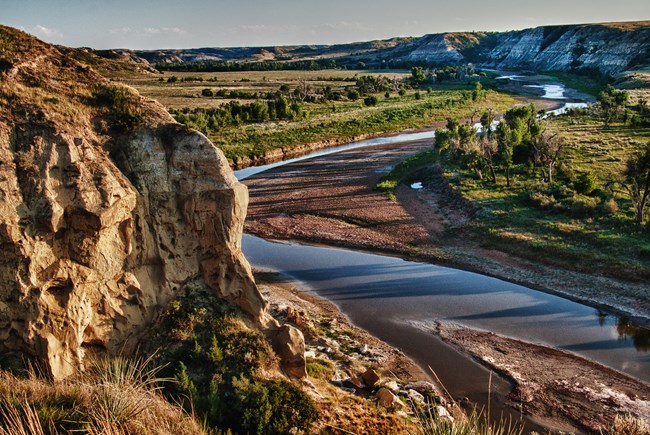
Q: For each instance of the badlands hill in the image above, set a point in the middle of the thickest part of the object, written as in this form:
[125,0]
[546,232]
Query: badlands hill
[109,209]
[606,47]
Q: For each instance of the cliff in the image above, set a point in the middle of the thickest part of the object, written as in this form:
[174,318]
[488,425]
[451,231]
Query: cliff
[610,48]
[109,209]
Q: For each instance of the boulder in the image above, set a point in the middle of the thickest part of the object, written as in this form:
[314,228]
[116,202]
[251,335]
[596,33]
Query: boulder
[443,414]
[423,387]
[356,381]
[415,397]
[388,400]
[392,386]
[370,377]
[289,344]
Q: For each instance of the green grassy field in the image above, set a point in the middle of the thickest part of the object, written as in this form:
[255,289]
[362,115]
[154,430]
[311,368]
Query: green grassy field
[593,234]
[331,121]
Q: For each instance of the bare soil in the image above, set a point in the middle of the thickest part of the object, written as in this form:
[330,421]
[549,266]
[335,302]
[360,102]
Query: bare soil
[552,385]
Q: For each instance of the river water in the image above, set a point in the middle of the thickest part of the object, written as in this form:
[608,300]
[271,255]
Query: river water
[396,300]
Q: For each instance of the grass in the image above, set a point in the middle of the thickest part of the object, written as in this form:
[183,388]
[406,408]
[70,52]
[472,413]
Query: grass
[557,225]
[334,121]
[389,182]
[476,423]
[561,227]
[118,396]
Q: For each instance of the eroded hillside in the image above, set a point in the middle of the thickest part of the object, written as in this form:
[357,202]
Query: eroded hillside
[109,209]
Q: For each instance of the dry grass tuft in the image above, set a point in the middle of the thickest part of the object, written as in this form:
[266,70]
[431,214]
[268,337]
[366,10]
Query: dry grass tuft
[627,425]
[116,396]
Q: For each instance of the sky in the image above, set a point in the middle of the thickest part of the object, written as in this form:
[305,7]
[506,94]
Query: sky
[152,24]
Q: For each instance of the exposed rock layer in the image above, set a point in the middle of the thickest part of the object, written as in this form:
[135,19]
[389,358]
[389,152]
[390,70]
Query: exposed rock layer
[94,243]
[609,48]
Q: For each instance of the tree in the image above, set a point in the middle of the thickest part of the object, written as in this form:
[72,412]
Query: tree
[478,93]
[418,75]
[353,95]
[488,150]
[487,118]
[611,100]
[506,138]
[370,100]
[548,149]
[637,181]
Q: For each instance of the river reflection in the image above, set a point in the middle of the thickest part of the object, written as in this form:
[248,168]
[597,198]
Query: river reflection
[380,293]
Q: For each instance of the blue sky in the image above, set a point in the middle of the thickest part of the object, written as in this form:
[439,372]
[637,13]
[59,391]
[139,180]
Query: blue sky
[149,24]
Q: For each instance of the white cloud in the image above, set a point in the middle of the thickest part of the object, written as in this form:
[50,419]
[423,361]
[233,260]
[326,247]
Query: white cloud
[45,32]
[164,31]
[148,31]
[121,31]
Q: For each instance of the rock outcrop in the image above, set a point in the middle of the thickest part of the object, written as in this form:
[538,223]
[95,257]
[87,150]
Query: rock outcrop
[108,208]
[608,48]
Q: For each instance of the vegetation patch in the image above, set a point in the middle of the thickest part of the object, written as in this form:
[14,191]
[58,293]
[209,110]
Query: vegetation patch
[222,368]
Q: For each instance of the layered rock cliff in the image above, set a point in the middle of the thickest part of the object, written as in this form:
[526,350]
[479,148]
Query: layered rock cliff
[610,48]
[108,209]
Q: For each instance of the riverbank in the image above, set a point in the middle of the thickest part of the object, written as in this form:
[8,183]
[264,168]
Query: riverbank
[338,354]
[555,389]
[332,200]
[553,386]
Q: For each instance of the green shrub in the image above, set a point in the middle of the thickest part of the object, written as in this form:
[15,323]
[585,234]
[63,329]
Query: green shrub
[320,369]
[216,361]
[542,201]
[586,183]
[110,96]
[207,92]
[125,113]
[584,206]
[5,65]
[370,100]
[610,206]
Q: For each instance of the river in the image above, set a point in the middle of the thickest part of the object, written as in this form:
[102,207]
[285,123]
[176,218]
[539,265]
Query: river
[393,299]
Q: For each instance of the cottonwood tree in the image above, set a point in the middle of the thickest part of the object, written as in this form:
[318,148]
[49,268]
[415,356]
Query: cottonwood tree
[487,118]
[506,140]
[488,149]
[611,101]
[548,149]
[637,181]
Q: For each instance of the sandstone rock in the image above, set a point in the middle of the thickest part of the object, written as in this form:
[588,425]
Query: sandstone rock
[296,317]
[95,244]
[388,400]
[392,386]
[443,414]
[370,377]
[415,396]
[356,381]
[423,387]
[290,346]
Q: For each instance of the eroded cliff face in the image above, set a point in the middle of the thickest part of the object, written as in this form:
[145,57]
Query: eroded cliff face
[609,49]
[102,225]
